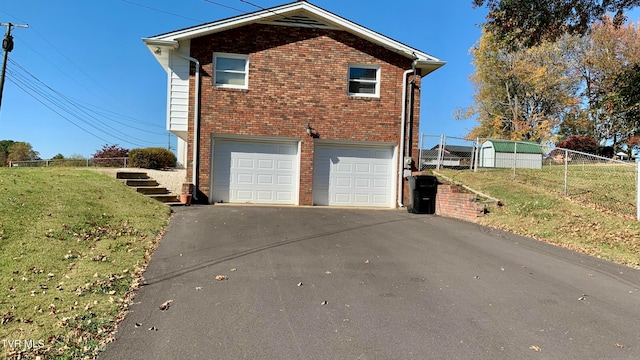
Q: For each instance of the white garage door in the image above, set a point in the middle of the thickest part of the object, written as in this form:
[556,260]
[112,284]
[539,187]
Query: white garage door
[255,172]
[353,176]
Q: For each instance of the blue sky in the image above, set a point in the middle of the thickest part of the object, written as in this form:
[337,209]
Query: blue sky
[88,56]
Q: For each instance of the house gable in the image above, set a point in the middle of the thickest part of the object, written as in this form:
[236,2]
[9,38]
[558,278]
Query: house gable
[296,14]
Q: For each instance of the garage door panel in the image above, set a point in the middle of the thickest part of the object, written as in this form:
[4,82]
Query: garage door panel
[243,163]
[255,172]
[285,180]
[381,183]
[343,182]
[353,176]
[362,183]
[266,164]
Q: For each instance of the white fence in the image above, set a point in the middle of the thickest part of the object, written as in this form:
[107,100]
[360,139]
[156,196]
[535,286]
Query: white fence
[610,183]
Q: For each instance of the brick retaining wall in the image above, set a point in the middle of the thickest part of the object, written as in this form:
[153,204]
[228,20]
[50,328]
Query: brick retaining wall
[450,202]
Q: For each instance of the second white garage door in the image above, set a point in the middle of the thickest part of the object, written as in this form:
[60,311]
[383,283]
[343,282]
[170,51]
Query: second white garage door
[255,172]
[346,175]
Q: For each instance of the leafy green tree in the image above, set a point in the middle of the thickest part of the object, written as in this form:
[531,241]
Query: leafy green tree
[627,99]
[526,23]
[58,156]
[4,151]
[22,151]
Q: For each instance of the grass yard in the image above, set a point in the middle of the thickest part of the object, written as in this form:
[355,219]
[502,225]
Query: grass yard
[612,186]
[533,210]
[72,241]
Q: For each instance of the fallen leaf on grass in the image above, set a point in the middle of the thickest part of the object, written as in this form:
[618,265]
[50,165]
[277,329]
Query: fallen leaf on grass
[165,305]
[535,348]
[222,277]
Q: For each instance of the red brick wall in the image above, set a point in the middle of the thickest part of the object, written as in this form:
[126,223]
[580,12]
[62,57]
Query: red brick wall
[298,76]
[450,202]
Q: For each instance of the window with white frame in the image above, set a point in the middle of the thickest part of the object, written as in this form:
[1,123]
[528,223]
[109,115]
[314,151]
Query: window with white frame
[231,70]
[364,80]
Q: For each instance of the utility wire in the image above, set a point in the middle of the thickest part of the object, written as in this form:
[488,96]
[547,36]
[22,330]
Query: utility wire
[52,103]
[271,11]
[79,107]
[74,79]
[226,6]
[68,106]
[158,10]
[52,109]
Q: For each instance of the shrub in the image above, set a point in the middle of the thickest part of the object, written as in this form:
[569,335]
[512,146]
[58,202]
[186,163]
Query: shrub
[110,154]
[152,158]
[586,144]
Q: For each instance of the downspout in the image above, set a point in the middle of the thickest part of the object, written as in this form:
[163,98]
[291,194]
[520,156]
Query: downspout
[402,131]
[196,125]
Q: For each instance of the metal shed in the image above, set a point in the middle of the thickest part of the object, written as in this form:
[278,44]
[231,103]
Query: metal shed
[506,154]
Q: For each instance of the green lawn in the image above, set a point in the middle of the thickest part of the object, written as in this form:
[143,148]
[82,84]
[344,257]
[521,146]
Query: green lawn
[535,209]
[72,241]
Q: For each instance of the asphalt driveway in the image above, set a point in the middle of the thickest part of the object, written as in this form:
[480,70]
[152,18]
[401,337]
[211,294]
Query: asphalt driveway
[321,283]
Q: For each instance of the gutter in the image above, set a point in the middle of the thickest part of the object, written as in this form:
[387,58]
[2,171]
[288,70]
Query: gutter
[196,125]
[402,131]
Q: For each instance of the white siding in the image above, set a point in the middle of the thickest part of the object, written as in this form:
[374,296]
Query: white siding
[523,161]
[178,102]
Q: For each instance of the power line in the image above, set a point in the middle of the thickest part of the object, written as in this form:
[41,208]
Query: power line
[158,10]
[75,104]
[96,83]
[67,105]
[225,6]
[50,108]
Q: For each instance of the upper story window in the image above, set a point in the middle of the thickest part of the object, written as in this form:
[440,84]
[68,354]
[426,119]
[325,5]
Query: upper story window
[364,80]
[231,70]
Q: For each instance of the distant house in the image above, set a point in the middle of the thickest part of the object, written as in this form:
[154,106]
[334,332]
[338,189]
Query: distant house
[452,156]
[458,150]
[506,154]
[430,159]
[557,156]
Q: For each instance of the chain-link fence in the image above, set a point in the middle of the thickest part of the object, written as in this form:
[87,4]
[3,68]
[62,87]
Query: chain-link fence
[93,162]
[610,184]
[440,151]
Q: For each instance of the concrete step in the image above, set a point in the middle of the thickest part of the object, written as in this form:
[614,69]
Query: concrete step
[152,190]
[165,198]
[131,175]
[141,182]
[148,187]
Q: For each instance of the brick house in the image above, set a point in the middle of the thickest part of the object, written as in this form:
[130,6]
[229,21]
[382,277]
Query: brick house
[293,105]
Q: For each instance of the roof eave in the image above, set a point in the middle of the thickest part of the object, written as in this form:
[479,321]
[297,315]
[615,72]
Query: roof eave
[429,66]
[161,49]
[426,62]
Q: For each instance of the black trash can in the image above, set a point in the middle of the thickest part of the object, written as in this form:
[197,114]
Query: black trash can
[422,190]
